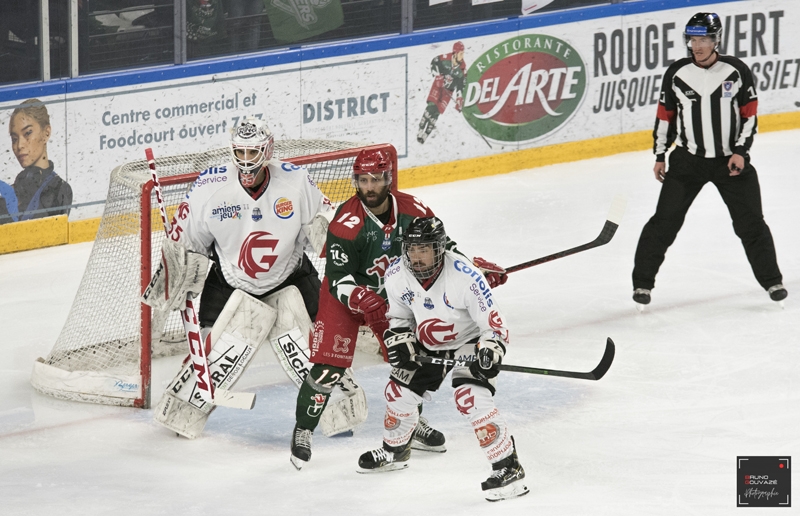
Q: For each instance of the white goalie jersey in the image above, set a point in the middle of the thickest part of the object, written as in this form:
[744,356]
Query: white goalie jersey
[456,309]
[259,241]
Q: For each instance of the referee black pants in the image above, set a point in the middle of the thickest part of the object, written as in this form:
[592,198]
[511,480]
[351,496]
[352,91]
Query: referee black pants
[687,174]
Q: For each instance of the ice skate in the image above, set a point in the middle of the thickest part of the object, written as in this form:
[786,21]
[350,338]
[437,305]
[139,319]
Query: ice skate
[388,458]
[506,479]
[301,447]
[778,293]
[642,297]
[427,438]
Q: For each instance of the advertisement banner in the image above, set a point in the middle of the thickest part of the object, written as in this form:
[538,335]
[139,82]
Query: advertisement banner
[436,102]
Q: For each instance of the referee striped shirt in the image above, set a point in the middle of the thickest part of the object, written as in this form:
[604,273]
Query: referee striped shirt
[709,111]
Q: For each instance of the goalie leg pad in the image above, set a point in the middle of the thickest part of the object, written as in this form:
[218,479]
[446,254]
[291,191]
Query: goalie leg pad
[344,408]
[242,326]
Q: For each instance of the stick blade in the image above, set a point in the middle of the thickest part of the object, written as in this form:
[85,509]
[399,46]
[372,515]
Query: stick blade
[617,210]
[237,400]
[605,362]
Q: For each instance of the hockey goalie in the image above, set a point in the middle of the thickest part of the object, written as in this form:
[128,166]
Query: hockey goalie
[239,242]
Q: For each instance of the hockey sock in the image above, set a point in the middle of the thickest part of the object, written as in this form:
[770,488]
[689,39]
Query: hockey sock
[475,402]
[314,394]
[402,414]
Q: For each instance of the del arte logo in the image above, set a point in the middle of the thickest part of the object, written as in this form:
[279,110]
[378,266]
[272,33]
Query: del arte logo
[524,88]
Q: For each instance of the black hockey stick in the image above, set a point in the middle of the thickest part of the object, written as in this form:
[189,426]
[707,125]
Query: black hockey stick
[605,236]
[595,374]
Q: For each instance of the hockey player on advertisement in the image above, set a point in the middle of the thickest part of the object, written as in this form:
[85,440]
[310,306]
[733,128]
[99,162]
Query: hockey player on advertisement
[364,237]
[448,71]
[708,107]
[440,305]
[251,218]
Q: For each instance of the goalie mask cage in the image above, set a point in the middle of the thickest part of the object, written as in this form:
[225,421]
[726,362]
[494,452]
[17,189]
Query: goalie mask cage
[103,353]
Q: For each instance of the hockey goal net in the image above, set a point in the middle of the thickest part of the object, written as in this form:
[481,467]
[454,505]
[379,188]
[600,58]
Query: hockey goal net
[103,353]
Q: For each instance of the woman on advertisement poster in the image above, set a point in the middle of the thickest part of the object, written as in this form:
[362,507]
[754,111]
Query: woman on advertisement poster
[37,188]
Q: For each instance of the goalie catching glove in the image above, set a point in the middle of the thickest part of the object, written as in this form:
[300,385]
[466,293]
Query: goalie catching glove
[494,274]
[401,347]
[179,273]
[488,356]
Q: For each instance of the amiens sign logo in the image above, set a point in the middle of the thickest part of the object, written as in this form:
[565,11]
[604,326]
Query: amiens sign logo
[524,88]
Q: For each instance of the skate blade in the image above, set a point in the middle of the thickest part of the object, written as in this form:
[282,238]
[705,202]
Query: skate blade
[297,463]
[640,307]
[416,445]
[394,466]
[514,490]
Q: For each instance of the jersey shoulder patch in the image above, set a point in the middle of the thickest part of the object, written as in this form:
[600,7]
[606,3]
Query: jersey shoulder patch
[410,205]
[348,220]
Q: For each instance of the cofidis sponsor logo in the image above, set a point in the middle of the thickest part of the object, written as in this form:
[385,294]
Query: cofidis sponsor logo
[524,88]
[283,208]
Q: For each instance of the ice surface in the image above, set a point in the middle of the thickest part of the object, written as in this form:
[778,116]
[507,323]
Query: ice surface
[708,372]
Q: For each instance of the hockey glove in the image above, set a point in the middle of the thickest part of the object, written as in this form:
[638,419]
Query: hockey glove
[364,301]
[495,274]
[488,356]
[180,273]
[401,347]
[459,104]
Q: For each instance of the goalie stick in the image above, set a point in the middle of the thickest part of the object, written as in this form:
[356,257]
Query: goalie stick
[197,349]
[605,236]
[595,374]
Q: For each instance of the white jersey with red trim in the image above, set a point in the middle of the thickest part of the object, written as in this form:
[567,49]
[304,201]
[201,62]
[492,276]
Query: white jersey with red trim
[456,309]
[259,241]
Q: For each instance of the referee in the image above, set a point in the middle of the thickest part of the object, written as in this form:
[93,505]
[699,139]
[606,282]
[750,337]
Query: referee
[708,108]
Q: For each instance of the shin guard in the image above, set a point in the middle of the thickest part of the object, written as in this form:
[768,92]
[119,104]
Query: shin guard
[475,402]
[402,414]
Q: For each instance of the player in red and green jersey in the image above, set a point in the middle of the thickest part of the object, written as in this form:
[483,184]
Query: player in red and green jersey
[364,237]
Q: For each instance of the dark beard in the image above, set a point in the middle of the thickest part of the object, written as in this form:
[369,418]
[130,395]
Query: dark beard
[375,202]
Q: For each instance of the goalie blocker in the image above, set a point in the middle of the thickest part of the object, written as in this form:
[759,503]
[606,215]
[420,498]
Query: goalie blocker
[243,325]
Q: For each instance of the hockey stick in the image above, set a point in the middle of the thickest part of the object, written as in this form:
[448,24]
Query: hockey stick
[595,374]
[197,349]
[605,236]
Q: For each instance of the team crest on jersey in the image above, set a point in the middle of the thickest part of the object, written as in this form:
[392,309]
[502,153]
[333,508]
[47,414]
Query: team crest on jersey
[256,251]
[183,210]
[727,89]
[256,214]
[283,208]
[227,211]
[447,301]
[435,332]
[428,303]
[407,296]
[379,267]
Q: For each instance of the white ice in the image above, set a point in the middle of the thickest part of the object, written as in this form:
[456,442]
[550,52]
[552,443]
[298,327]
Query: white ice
[707,373]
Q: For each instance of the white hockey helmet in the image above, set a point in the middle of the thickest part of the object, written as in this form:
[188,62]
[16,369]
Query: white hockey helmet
[252,145]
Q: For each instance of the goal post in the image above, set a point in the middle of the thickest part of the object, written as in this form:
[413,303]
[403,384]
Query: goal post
[105,349]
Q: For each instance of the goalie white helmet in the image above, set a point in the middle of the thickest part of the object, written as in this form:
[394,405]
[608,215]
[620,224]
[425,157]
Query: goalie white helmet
[252,144]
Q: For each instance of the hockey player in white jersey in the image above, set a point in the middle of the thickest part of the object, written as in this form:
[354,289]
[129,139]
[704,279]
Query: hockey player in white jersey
[249,219]
[252,218]
[440,305]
